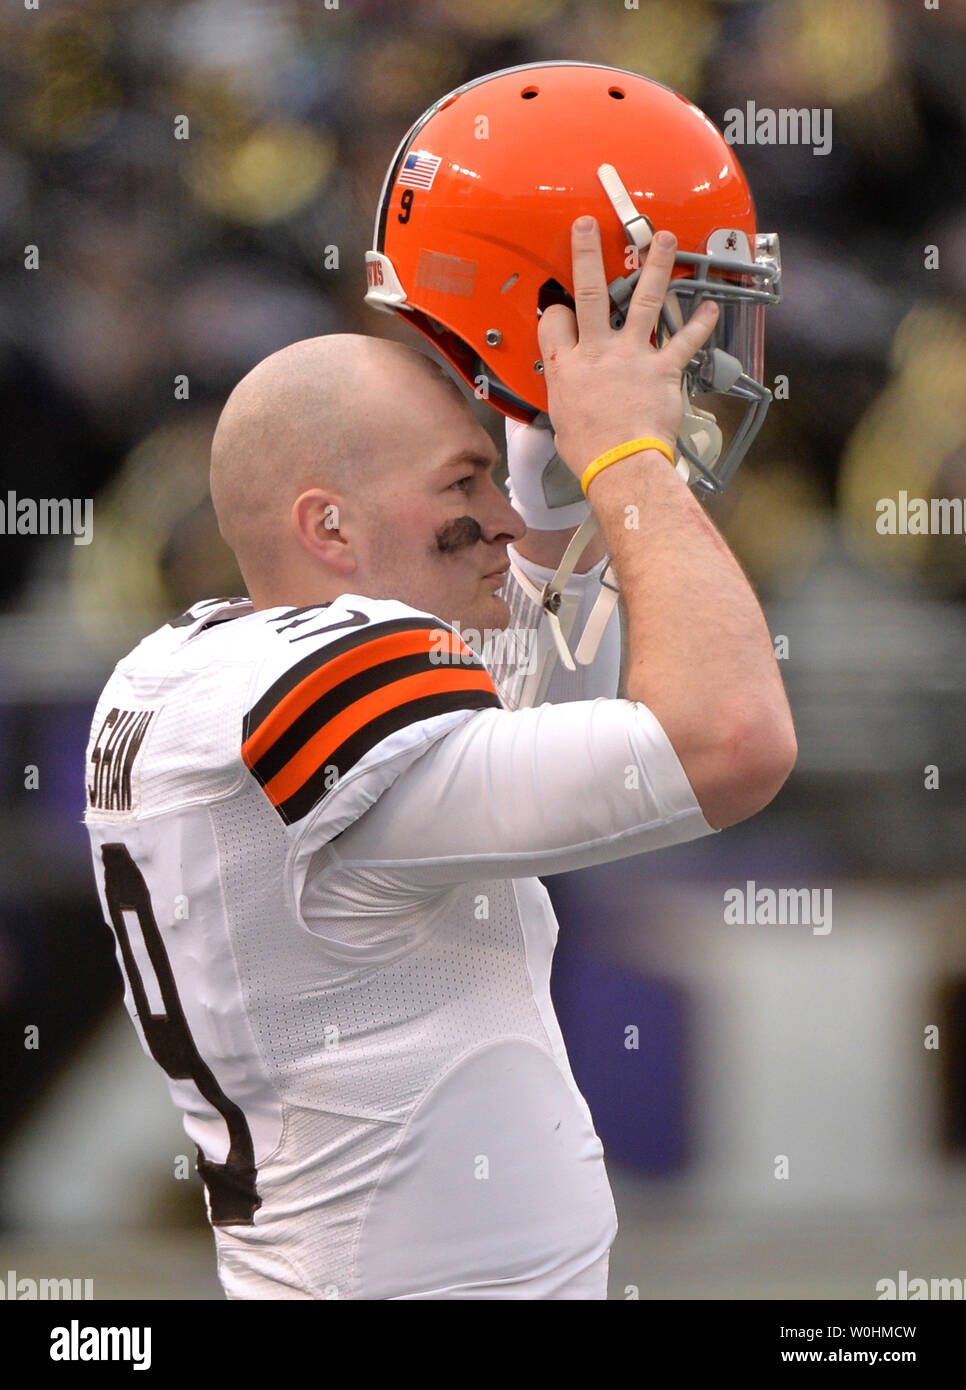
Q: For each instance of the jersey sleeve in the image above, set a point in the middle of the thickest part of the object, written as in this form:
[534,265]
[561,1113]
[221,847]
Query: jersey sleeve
[524,664]
[327,730]
[527,792]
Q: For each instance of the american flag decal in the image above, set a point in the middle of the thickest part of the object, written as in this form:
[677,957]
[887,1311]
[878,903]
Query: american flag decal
[419,169]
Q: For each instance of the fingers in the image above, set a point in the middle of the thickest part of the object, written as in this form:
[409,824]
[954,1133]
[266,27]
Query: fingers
[651,287]
[556,331]
[559,330]
[681,348]
[649,296]
[591,299]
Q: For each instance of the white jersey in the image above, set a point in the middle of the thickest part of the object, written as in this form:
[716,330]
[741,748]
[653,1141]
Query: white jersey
[315,835]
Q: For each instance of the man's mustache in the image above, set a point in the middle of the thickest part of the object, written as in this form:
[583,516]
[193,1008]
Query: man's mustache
[458,535]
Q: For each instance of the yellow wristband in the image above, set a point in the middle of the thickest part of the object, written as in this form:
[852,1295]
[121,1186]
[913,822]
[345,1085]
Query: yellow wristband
[634,446]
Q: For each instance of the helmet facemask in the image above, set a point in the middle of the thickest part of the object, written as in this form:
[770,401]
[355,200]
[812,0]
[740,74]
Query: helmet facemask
[731,364]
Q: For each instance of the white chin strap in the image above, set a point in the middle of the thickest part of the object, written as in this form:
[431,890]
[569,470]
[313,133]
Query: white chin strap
[550,597]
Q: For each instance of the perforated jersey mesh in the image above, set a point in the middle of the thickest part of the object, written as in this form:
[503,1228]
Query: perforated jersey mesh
[354,1028]
[361,1013]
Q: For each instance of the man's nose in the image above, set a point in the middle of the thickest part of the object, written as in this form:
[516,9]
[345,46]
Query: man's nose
[501,520]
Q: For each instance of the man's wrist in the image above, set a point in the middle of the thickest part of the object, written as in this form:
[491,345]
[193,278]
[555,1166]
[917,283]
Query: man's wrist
[647,450]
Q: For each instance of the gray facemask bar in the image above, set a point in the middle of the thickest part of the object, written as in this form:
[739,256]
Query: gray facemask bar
[758,400]
[767,269]
[713,369]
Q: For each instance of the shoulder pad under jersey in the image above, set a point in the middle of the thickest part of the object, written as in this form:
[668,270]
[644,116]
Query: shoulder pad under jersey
[347,695]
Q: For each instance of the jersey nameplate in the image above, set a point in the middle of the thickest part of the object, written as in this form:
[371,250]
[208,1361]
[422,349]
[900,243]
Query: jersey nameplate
[113,773]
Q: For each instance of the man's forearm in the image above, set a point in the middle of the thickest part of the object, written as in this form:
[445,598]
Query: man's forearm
[700,655]
[699,652]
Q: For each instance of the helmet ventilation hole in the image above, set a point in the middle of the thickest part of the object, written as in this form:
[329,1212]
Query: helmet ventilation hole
[616,93]
[529,92]
[510,283]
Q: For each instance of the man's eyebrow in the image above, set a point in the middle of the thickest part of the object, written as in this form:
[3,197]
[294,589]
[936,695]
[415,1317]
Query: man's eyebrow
[471,457]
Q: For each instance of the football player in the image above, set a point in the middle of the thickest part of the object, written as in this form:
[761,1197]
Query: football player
[318,815]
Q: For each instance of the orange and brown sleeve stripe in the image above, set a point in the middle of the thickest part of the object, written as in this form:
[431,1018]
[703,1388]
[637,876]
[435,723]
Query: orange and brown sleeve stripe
[329,710]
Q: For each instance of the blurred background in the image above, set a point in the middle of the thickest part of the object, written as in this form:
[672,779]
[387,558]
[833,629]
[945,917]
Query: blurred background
[162,259]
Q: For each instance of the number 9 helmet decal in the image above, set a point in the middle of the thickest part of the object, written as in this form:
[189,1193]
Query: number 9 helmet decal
[473,236]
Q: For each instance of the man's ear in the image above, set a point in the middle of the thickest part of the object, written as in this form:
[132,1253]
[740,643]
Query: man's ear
[317,522]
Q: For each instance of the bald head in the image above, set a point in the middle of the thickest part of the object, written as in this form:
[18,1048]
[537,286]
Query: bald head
[325,412]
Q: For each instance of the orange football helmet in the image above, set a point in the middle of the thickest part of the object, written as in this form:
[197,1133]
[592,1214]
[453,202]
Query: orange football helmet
[473,234]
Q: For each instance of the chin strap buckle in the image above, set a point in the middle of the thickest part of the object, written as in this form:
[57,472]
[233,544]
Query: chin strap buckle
[550,598]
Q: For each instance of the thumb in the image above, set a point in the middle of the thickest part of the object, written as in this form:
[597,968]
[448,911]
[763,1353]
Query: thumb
[556,331]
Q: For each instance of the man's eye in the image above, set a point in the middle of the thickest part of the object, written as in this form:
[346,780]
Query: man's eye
[461,482]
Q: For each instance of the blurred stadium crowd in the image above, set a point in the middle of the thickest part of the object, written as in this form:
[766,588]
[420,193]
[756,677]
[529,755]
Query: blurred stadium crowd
[162,258]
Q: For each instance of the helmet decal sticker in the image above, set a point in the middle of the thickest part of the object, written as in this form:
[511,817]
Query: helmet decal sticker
[419,169]
[445,274]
